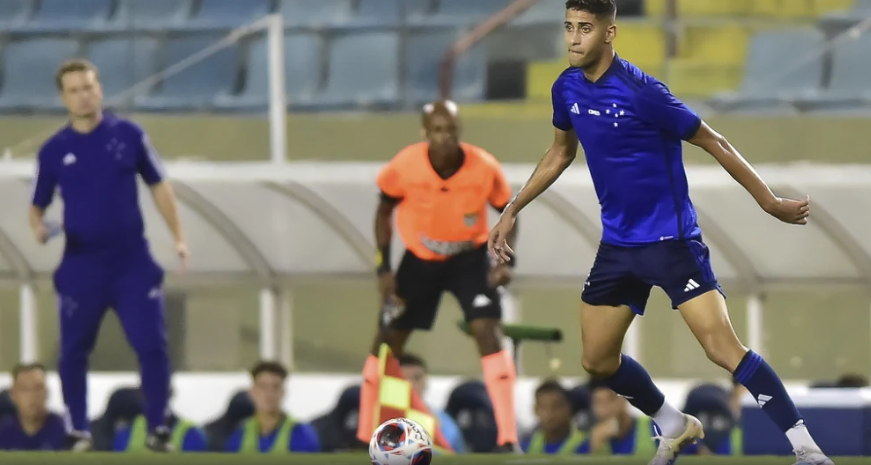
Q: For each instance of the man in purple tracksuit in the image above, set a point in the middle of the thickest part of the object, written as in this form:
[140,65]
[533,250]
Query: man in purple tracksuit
[95,161]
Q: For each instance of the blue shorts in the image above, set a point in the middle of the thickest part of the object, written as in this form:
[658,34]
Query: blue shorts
[624,275]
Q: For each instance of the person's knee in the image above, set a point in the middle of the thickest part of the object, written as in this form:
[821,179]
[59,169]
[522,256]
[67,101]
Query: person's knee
[600,364]
[724,350]
[488,335]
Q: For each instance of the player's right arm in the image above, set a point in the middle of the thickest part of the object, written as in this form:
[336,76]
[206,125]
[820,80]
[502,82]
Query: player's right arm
[559,156]
[391,193]
[44,186]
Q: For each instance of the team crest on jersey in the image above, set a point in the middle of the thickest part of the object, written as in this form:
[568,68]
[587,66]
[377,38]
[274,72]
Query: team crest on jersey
[471,219]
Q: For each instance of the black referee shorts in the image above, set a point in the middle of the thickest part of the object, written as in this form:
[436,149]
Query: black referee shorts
[421,283]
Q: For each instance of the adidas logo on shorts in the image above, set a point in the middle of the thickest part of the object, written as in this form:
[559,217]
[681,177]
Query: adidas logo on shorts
[691,286]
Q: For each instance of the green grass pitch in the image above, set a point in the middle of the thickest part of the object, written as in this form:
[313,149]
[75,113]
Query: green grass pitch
[358,459]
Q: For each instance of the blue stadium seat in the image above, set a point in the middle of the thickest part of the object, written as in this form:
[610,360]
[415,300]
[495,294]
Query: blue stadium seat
[364,70]
[378,13]
[229,13]
[196,86]
[13,13]
[62,15]
[849,89]
[152,14]
[542,12]
[123,62]
[418,11]
[30,82]
[315,13]
[423,55]
[465,11]
[302,55]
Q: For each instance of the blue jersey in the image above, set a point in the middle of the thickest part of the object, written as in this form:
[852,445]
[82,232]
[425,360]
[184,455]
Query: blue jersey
[97,177]
[631,128]
[52,435]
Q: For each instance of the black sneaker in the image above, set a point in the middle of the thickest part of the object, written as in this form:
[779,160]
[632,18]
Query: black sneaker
[159,441]
[508,448]
[78,442]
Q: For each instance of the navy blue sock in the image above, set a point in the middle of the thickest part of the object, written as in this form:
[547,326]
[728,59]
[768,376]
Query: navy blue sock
[761,380]
[632,382]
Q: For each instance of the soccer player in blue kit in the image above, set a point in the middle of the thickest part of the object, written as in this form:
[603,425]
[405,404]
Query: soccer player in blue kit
[631,128]
[95,161]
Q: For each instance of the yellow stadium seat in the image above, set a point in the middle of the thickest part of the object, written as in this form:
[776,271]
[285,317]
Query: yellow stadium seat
[725,44]
[783,8]
[643,44]
[688,78]
[822,7]
[701,7]
[540,76]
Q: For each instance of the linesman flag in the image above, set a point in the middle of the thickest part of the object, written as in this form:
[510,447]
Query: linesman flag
[396,399]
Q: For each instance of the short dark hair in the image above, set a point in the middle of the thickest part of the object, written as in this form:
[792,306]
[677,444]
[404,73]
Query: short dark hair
[552,386]
[25,367]
[407,359]
[596,383]
[72,66]
[269,366]
[599,8]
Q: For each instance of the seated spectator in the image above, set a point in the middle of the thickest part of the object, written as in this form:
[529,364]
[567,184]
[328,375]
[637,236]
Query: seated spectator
[33,427]
[719,410]
[557,433]
[415,371]
[271,430]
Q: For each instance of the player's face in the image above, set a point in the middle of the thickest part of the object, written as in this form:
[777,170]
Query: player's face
[81,93]
[29,393]
[607,404]
[267,393]
[443,133]
[416,376]
[553,411]
[586,37]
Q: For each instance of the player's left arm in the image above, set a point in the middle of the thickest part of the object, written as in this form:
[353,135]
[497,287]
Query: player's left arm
[151,169]
[658,106]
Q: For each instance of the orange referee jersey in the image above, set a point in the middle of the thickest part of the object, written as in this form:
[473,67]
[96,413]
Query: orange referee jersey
[439,218]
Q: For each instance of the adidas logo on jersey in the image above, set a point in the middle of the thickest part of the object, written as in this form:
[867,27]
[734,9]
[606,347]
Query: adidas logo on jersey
[575,109]
[691,286]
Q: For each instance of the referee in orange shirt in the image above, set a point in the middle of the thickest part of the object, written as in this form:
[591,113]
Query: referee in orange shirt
[441,189]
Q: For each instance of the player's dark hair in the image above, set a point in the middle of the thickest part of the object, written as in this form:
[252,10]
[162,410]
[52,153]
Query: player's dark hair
[552,386]
[407,359]
[268,366]
[77,65]
[599,8]
[25,367]
[596,383]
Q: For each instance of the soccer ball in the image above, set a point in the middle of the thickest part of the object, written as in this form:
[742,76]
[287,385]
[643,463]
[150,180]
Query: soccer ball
[400,441]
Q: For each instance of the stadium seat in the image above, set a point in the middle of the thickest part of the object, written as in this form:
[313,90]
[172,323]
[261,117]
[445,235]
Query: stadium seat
[217,431]
[302,59]
[581,407]
[363,70]
[470,406]
[337,430]
[710,404]
[643,43]
[464,11]
[30,82]
[542,12]
[849,88]
[124,405]
[123,62]
[152,14]
[378,13]
[13,13]
[701,8]
[62,15]
[315,13]
[229,13]
[195,86]
[423,56]
[7,408]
